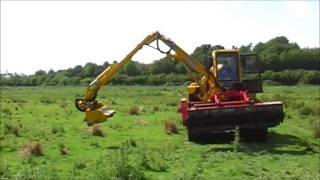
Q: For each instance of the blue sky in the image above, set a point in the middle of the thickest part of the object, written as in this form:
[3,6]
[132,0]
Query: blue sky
[58,35]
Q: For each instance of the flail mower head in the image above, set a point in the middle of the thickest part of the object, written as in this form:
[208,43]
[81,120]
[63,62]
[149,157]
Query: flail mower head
[227,115]
[95,112]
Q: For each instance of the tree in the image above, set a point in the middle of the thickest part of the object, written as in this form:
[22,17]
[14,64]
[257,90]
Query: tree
[164,65]
[76,71]
[273,53]
[203,54]
[277,54]
[246,48]
[88,70]
[40,73]
[105,64]
[131,69]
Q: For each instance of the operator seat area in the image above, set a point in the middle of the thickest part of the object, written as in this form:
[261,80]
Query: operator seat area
[227,69]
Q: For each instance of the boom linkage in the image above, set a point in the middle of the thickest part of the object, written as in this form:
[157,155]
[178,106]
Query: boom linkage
[197,72]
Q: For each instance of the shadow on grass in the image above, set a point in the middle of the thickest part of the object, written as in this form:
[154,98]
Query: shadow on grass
[275,144]
[281,144]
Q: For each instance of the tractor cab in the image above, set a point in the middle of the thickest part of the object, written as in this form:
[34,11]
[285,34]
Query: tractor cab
[235,70]
[236,105]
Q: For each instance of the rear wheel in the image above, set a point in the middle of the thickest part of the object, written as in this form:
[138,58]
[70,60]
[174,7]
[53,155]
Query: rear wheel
[199,136]
[254,134]
[205,137]
[193,136]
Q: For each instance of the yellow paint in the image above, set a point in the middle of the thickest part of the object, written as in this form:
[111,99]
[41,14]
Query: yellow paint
[204,81]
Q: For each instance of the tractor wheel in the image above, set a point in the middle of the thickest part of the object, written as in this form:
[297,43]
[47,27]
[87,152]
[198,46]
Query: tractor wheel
[192,136]
[195,136]
[254,134]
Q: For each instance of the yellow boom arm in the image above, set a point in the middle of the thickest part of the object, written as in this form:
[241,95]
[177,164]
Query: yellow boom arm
[96,112]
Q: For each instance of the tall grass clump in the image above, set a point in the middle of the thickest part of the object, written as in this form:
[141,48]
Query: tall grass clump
[305,111]
[57,129]
[96,130]
[316,129]
[195,174]
[170,127]
[45,100]
[156,108]
[122,168]
[34,149]
[134,110]
[153,159]
[5,173]
[12,129]
[236,141]
[6,111]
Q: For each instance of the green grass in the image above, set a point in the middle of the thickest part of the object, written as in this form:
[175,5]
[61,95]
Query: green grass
[137,147]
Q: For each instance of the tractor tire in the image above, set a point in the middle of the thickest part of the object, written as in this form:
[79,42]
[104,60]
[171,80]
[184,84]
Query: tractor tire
[210,137]
[197,137]
[254,134]
[192,136]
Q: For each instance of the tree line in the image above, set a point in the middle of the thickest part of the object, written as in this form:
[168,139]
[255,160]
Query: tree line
[281,61]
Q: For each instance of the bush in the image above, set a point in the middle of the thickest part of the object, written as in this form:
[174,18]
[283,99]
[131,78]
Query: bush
[311,77]
[292,77]
[271,83]
[288,77]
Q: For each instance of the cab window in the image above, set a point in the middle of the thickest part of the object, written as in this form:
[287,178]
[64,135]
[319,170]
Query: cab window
[227,65]
[249,63]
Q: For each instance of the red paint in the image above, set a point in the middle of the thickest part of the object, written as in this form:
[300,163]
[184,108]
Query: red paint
[234,99]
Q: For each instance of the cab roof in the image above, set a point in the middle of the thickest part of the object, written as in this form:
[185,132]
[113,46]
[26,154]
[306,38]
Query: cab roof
[226,50]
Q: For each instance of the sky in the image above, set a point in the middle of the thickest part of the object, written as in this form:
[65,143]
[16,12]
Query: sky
[62,34]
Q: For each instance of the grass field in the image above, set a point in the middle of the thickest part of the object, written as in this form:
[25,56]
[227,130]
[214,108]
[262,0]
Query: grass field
[137,146]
